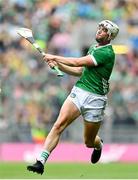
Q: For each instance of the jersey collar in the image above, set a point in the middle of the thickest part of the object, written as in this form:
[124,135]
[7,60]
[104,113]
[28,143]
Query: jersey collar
[102,46]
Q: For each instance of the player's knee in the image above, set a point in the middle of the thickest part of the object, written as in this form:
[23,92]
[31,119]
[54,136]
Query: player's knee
[59,127]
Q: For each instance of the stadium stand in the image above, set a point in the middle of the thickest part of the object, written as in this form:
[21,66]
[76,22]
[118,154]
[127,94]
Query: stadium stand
[66,27]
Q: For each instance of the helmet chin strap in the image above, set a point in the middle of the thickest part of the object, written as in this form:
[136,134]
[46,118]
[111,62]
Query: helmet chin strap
[109,38]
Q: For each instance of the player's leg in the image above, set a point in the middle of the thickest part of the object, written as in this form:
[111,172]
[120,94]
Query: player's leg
[92,140]
[68,113]
[90,134]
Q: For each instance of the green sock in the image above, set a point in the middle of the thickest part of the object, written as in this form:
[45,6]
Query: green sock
[44,156]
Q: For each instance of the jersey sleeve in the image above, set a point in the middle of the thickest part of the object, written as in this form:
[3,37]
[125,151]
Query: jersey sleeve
[100,57]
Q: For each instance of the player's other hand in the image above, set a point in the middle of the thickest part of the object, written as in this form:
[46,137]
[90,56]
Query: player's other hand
[52,64]
[49,58]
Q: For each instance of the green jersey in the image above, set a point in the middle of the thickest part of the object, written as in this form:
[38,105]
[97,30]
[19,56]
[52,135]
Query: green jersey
[95,78]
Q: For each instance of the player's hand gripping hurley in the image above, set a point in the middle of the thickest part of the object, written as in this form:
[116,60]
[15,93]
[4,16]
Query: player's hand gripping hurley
[28,35]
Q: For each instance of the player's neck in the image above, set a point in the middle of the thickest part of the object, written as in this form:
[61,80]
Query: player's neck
[103,44]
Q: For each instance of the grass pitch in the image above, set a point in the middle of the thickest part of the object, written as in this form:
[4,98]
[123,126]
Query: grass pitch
[71,171]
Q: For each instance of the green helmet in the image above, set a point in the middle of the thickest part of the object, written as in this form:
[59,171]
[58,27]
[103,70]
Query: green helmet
[112,28]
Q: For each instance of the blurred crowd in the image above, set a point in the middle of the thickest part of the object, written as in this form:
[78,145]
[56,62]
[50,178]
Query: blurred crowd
[31,93]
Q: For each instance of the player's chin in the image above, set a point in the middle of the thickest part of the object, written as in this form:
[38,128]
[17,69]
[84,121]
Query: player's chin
[98,39]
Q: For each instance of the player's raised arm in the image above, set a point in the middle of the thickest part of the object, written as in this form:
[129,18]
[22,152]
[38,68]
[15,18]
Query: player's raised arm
[71,61]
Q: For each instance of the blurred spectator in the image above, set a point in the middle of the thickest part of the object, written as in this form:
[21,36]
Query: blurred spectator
[29,88]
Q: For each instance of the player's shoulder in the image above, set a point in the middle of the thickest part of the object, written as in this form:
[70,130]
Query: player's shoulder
[111,51]
[91,48]
[108,50]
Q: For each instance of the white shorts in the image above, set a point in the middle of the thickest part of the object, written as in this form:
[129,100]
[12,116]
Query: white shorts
[90,105]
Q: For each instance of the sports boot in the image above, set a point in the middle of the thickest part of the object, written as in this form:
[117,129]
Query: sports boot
[38,167]
[96,154]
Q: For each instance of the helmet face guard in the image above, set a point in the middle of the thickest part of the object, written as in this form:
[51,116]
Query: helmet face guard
[112,28]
